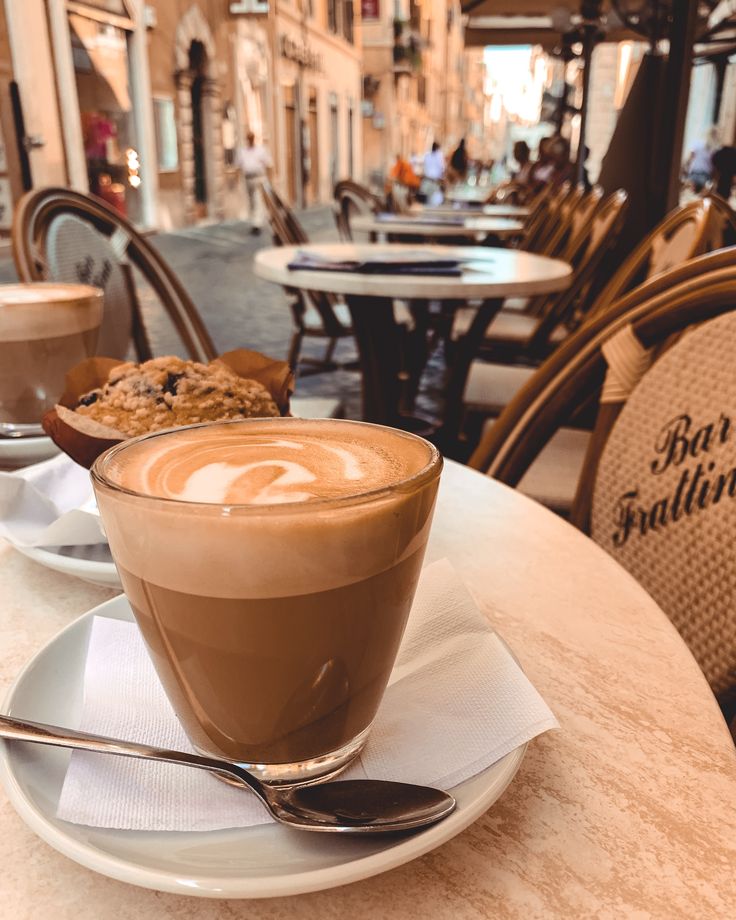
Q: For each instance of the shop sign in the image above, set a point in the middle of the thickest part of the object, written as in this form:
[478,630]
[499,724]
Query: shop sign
[300,53]
[370,9]
[379,121]
[248,7]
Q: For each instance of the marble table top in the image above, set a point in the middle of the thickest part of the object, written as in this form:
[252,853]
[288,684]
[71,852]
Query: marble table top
[446,224]
[628,811]
[510,273]
[497,209]
[473,193]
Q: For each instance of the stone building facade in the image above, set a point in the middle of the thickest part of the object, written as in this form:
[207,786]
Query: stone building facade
[145,102]
[413,79]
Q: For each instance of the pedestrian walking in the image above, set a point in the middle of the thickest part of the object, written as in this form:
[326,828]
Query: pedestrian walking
[255,163]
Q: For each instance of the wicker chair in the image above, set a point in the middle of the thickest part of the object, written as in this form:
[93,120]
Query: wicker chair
[664,412]
[62,235]
[491,386]
[315,315]
[352,198]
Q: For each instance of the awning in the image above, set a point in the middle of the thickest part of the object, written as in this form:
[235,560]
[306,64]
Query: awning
[543,22]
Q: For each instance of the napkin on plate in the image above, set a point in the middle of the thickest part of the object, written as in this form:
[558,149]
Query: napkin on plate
[456,703]
[49,504]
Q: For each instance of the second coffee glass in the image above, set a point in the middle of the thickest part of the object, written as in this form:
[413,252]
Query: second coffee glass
[271,566]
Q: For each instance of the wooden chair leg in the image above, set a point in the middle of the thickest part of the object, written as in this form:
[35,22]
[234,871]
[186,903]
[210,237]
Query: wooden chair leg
[329,352]
[295,348]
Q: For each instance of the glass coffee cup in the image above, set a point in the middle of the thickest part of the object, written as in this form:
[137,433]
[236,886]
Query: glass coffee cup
[271,565]
[45,329]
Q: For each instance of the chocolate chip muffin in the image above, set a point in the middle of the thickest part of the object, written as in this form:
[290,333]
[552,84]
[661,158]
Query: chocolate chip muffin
[166,392]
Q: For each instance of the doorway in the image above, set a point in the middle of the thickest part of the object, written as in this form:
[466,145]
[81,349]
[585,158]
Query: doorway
[292,161]
[198,69]
[313,149]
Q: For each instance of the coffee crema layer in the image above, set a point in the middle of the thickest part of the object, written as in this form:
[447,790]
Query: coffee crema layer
[262,508]
[260,465]
[44,310]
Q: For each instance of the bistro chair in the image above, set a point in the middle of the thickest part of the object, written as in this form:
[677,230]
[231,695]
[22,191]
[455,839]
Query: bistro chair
[492,385]
[352,198]
[659,475]
[63,235]
[315,315]
[684,233]
[66,236]
[553,475]
[527,336]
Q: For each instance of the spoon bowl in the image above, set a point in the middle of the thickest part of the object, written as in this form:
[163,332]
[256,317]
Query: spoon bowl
[343,806]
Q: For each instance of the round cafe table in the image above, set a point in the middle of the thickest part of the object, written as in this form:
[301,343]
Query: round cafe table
[627,811]
[469,194]
[497,209]
[445,225]
[391,362]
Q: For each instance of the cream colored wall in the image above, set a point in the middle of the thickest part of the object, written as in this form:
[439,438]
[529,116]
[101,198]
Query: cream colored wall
[341,74]
[411,126]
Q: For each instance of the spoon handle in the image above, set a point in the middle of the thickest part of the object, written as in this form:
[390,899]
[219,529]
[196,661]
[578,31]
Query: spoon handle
[21,730]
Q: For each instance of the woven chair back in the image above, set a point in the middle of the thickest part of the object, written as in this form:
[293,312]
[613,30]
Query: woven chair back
[664,499]
[76,252]
[659,473]
[34,219]
[682,235]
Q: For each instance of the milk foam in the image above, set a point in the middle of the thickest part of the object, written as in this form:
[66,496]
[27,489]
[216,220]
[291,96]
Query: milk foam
[263,528]
[252,465]
[44,311]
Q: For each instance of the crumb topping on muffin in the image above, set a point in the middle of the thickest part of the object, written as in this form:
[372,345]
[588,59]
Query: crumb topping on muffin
[166,392]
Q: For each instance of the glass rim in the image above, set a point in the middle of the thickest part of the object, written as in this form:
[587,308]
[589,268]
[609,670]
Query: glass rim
[433,465]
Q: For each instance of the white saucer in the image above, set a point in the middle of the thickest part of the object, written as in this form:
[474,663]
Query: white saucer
[15,452]
[257,862]
[91,563]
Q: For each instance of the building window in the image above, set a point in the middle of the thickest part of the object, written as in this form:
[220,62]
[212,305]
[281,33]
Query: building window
[100,56]
[347,19]
[334,140]
[332,15]
[166,139]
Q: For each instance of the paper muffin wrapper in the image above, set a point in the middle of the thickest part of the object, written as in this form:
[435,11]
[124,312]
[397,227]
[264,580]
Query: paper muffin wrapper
[84,439]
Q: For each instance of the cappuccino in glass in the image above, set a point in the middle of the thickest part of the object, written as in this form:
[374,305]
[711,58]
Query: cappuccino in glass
[45,329]
[271,565]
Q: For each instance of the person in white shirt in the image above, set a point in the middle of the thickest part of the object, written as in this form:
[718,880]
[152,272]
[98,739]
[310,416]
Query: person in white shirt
[433,174]
[255,162]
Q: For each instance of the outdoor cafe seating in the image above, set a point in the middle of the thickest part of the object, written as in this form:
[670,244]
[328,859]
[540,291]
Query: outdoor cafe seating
[613,407]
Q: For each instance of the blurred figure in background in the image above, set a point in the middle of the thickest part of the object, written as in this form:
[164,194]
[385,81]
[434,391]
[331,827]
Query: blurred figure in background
[434,174]
[403,173]
[699,166]
[401,185]
[724,169]
[458,163]
[543,167]
[255,162]
[522,155]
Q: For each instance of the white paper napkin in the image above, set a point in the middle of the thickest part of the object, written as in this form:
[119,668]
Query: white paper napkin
[49,504]
[457,702]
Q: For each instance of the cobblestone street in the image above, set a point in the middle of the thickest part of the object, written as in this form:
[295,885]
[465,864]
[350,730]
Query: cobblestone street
[214,264]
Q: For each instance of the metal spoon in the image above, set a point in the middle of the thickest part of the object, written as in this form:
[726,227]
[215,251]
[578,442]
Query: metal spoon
[20,430]
[346,806]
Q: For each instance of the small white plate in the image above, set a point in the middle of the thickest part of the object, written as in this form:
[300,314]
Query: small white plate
[256,862]
[16,452]
[91,563]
